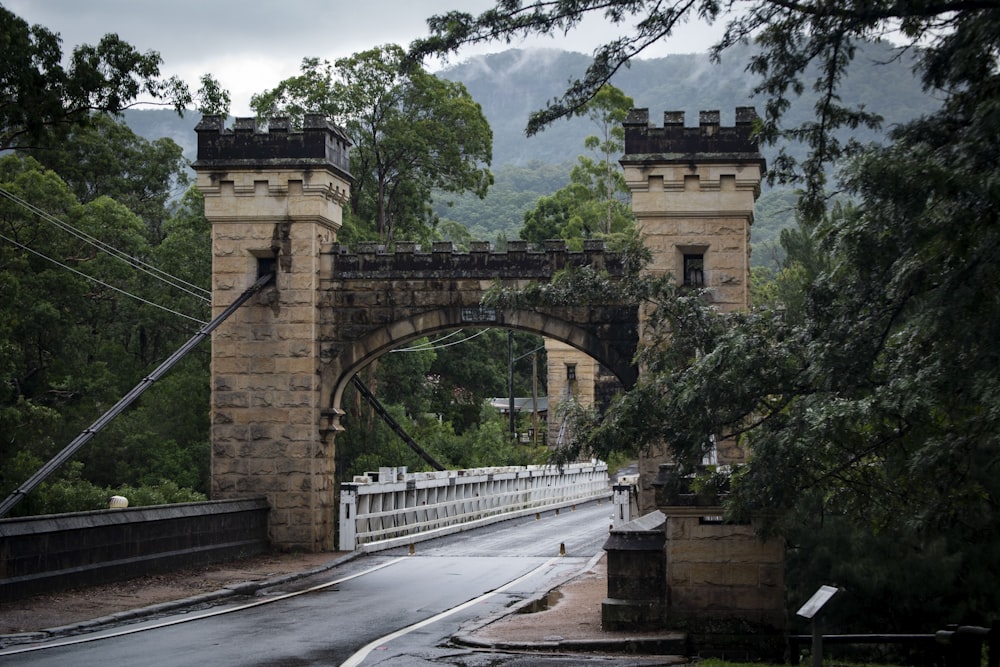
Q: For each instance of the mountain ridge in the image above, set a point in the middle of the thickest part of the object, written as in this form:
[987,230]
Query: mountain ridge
[511,84]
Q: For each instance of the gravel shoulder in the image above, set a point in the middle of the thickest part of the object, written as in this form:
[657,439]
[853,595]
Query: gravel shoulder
[51,610]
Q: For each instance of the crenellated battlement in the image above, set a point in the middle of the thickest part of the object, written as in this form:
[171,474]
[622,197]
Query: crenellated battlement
[482,261]
[252,144]
[708,140]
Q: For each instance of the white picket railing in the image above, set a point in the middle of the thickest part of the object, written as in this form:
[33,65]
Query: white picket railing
[394,508]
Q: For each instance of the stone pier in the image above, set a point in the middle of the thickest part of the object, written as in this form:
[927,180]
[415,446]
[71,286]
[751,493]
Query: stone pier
[274,197]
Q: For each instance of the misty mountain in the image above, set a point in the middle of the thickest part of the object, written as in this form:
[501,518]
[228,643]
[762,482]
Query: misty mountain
[511,84]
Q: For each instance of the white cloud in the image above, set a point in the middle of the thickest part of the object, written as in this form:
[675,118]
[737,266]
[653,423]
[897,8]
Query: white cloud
[250,48]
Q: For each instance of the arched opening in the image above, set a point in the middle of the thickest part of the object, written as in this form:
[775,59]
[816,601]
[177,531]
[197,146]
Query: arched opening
[363,444]
[356,355]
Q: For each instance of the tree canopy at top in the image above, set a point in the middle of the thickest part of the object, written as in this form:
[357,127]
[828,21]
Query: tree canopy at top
[804,44]
[413,133]
[41,95]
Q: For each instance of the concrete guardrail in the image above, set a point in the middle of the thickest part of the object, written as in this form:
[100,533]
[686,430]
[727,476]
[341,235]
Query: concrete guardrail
[57,551]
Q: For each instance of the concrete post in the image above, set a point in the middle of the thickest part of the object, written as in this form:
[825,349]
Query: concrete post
[636,575]
[622,499]
[348,517]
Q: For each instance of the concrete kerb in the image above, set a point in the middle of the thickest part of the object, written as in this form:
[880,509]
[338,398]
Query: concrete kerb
[671,645]
[245,589]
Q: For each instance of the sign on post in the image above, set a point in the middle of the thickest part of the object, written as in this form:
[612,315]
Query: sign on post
[812,610]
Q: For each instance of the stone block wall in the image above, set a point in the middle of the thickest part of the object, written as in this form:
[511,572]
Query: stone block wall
[682,569]
[725,585]
[274,198]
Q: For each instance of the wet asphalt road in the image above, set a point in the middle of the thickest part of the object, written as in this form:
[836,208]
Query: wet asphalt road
[390,608]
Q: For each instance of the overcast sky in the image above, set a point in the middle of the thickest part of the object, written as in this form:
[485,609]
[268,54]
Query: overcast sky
[251,46]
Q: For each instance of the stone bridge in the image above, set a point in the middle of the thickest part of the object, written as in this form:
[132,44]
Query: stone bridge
[374,301]
[280,364]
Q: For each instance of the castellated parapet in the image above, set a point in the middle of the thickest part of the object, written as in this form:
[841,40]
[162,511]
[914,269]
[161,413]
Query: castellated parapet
[482,262]
[707,141]
[250,142]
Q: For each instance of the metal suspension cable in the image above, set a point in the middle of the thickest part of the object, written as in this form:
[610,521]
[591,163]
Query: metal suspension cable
[435,346]
[99,282]
[393,424]
[134,262]
[129,398]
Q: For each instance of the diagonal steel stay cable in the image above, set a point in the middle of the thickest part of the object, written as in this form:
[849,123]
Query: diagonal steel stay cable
[134,262]
[15,497]
[100,282]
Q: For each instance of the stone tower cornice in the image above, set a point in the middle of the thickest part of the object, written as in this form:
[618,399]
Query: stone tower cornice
[707,143]
[251,145]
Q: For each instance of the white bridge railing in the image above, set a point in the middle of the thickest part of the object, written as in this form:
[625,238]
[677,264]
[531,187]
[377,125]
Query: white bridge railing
[394,508]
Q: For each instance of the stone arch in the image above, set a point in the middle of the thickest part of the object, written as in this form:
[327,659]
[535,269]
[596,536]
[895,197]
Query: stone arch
[357,355]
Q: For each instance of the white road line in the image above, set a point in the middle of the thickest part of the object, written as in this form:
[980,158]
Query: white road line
[196,617]
[359,657]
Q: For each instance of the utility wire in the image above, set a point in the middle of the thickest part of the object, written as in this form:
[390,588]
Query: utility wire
[428,345]
[134,262]
[99,282]
[435,346]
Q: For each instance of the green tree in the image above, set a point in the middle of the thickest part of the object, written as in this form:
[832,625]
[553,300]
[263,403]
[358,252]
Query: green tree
[56,368]
[607,110]
[139,447]
[104,158]
[72,342]
[43,95]
[596,200]
[468,374]
[413,134]
[212,99]
[873,397]
[552,218]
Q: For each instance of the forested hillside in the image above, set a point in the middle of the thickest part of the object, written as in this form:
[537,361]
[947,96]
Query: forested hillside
[511,84]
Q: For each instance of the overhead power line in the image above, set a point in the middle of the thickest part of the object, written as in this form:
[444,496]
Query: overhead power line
[434,346]
[134,262]
[99,282]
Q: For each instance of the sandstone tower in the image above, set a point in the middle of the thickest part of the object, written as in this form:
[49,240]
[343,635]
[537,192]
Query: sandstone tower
[274,196]
[693,193]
